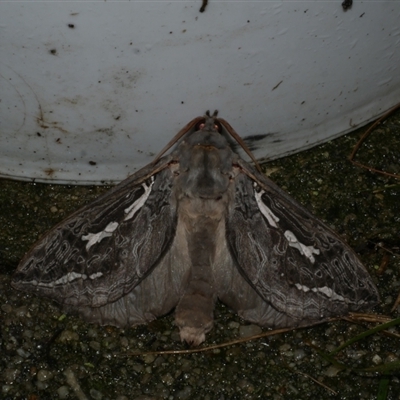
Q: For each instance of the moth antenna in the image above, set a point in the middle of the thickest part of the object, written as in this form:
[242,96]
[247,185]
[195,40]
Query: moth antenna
[181,133]
[215,113]
[234,134]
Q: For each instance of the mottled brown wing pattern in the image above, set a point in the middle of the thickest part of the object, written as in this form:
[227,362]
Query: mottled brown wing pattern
[294,261]
[104,250]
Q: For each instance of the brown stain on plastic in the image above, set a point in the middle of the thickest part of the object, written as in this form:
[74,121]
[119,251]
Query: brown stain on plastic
[49,172]
[41,121]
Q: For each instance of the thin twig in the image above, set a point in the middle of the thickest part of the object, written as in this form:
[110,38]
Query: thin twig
[393,253]
[365,135]
[365,317]
[352,317]
[213,347]
[396,303]
[316,381]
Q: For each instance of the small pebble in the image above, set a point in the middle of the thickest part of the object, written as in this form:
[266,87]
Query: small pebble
[95,345]
[42,385]
[21,311]
[233,325]
[95,394]
[149,358]
[376,359]
[184,393]
[332,371]
[299,354]
[68,336]
[23,353]
[7,388]
[249,330]
[167,379]
[391,358]
[6,308]
[63,392]
[285,347]
[44,375]
[10,374]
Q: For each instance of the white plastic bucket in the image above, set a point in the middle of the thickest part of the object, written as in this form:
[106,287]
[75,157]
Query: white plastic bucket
[90,91]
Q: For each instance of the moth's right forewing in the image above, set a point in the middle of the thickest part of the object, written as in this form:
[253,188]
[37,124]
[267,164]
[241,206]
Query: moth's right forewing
[101,252]
[292,260]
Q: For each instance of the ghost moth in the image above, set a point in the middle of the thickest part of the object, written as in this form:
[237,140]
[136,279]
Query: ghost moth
[197,225]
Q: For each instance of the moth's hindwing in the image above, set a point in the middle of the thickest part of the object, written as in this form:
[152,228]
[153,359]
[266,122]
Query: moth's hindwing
[295,262]
[101,252]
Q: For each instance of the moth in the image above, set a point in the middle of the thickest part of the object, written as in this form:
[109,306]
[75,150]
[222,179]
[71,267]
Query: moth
[197,225]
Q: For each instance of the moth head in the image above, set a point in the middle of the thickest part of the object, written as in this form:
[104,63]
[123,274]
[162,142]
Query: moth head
[209,123]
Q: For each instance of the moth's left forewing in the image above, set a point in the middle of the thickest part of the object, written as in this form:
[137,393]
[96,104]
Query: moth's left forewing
[101,252]
[294,261]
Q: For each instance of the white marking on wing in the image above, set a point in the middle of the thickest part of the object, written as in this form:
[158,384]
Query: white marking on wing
[94,238]
[132,209]
[324,289]
[96,275]
[268,214]
[307,251]
[71,276]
